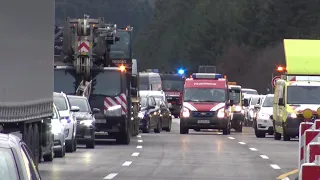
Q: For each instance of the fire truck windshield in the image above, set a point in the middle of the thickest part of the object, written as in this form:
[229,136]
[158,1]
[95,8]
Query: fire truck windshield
[204,95]
[121,49]
[303,95]
[64,81]
[107,83]
[172,85]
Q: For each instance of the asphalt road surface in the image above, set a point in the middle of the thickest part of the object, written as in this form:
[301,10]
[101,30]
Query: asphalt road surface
[204,155]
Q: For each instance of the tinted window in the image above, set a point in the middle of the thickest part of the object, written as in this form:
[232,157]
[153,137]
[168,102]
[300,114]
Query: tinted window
[121,48]
[81,103]
[144,83]
[29,164]
[64,81]
[60,102]
[8,169]
[268,102]
[204,95]
[303,95]
[235,96]
[107,83]
[172,85]
[249,91]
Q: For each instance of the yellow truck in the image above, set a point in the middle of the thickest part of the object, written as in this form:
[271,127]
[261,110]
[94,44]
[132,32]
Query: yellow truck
[237,111]
[298,89]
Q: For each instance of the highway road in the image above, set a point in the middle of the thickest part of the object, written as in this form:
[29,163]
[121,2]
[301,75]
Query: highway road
[172,156]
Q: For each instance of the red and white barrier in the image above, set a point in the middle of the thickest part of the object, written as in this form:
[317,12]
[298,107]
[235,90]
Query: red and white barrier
[316,124]
[310,171]
[313,150]
[303,127]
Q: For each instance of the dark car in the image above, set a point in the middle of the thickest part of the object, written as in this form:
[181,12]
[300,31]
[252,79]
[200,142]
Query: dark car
[165,113]
[149,115]
[16,159]
[85,133]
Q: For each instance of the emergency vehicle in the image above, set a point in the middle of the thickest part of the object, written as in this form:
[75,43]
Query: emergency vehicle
[206,103]
[237,111]
[298,89]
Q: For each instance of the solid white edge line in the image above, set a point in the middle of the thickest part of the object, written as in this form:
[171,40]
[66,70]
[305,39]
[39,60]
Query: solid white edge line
[253,149]
[111,176]
[231,137]
[286,178]
[264,156]
[139,147]
[140,141]
[135,154]
[127,163]
[242,143]
[274,166]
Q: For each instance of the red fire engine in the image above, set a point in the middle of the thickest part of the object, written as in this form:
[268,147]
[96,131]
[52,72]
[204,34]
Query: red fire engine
[206,103]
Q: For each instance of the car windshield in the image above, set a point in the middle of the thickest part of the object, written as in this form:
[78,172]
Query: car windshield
[143,101]
[235,96]
[107,83]
[80,102]
[268,102]
[158,99]
[303,95]
[247,91]
[121,49]
[254,100]
[8,169]
[173,85]
[61,103]
[64,82]
[144,83]
[204,95]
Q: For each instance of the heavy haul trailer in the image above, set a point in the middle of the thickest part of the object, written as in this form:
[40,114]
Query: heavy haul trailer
[109,81]
[26,97]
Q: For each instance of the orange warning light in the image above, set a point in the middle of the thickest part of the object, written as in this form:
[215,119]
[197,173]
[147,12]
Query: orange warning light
[122,68]
[281,69]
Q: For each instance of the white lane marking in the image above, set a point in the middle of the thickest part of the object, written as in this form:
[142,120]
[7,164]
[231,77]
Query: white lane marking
[139,147]
[274,166]
[139,136]
[140,141]
[231,137]
[286,178]
[264,156]
[253,149]
[135,154]
[111,176]
[242,143]
[127,163]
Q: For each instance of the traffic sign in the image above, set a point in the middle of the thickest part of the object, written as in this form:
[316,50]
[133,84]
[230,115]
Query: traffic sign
[274,80]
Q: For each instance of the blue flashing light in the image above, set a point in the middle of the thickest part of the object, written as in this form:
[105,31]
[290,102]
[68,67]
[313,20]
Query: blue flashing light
[206,76]
[181,71]
[156,70]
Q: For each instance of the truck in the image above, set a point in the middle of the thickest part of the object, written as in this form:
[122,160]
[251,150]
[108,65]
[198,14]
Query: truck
[96,61]
[26,99]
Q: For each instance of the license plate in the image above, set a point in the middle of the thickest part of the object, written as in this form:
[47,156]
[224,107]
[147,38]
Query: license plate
[101,121]
[203,121]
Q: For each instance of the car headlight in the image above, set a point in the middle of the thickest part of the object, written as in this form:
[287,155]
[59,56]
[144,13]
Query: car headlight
[292,115]
[238,108]
[55,129]
[221,113]
[185,112]
[114,111]
[141,114]
[86,122]
[263,116]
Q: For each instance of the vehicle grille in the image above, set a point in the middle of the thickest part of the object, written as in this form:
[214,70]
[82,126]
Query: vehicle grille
[203,113]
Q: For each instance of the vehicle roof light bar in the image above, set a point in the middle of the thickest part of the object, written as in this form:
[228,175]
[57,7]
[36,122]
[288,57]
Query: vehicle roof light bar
[206,76]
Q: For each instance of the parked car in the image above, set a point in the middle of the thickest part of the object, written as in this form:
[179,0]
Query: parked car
[59,132]
[67,112]
[85,120]
[149,115]
[16,159]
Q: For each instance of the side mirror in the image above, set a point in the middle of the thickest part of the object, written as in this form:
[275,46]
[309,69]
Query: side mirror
[75,109]
[245,102]
[281,102]
[95,110]
[257,107]
[271,117]
[133,91]
[170,106]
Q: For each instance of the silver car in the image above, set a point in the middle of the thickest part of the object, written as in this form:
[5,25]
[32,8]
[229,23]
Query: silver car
[262,123]
[58,130]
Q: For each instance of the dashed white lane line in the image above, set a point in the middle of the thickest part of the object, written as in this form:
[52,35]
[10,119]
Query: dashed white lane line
[253,149]
[231,137]
[264,156]
[127,163]
[274,166]
[139,147]
[242,143]
[139,136]
[111,176]
[135,154]
[140,141]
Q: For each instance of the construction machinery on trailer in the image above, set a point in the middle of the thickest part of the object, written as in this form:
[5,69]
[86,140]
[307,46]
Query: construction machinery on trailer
[96,61]
[26,99]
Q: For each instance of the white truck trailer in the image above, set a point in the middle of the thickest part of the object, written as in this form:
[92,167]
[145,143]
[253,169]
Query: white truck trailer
[26,73]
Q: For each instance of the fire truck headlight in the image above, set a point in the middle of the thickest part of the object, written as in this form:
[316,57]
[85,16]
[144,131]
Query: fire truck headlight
[185,112]
[114,111]
[221,113]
